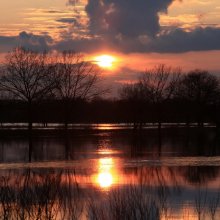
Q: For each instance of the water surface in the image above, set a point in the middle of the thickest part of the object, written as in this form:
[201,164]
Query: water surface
[112,174]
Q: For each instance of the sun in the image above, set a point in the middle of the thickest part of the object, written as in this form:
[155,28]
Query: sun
[105,179]
[105,61]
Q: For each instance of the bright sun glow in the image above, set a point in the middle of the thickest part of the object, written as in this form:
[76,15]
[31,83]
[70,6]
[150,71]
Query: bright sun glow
[105,179]
[105,61]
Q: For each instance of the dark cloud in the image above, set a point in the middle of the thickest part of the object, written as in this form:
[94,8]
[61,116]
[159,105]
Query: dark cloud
[130,26]
[80,45]
[27,40]
[54,11]
[120,25]
[174,41]
[72,2]
[125,17]
[66,20]
[178,40]
[45,42]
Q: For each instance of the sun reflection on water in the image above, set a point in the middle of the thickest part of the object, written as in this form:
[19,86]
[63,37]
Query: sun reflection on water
[105,175]
[105,179]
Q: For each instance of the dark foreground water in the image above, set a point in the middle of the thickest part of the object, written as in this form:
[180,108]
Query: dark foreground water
[112,175]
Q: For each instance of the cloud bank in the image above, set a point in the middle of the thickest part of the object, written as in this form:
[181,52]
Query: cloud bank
[26,40]
[124,17]
[122,25]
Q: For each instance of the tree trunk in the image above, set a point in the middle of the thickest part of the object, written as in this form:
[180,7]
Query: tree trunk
[30,126]
[30,146]
[30,117]
[66,114]
[159,140]
[67,146]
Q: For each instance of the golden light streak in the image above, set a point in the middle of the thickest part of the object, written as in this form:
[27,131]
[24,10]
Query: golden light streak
[105,176]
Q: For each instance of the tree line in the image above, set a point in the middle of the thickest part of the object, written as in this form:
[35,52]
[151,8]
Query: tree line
[190,97]
[65,88]
[32,77]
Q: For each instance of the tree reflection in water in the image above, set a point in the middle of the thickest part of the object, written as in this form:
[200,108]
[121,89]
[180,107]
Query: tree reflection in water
[59,194]
[36,194]
[111,176]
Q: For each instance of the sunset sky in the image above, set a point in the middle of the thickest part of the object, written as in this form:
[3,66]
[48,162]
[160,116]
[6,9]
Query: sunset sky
[138,33]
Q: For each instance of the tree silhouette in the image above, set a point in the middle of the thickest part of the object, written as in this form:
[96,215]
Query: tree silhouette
[77,79]
[27,76]
[198,89]
[134,96]
[154,87]
[159,83]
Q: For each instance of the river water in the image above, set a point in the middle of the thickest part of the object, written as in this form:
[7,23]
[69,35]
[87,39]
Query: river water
[112,174]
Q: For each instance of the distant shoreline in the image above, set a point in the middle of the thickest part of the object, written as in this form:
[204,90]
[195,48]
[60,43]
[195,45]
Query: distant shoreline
[86,129]
[97,126]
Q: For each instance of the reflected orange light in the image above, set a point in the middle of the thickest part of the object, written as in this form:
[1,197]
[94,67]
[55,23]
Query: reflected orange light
[105,176]
[105,127]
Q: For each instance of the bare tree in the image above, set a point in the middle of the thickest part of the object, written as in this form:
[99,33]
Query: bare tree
[199,89]
[160,82]
[154,87]
[77,80]
[27,76]
[134,96]
[199,86]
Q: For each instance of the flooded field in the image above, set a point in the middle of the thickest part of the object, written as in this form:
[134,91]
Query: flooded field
[112,174]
